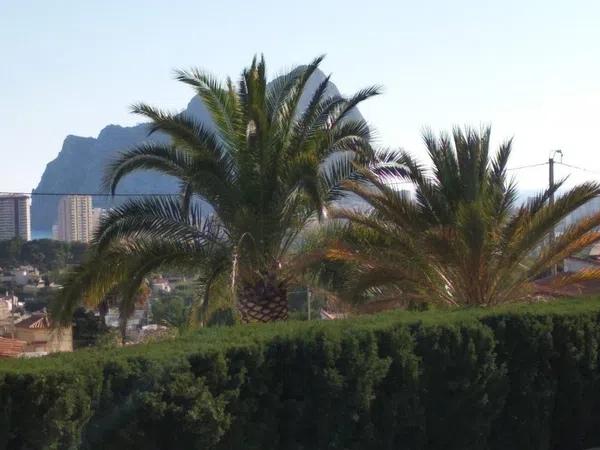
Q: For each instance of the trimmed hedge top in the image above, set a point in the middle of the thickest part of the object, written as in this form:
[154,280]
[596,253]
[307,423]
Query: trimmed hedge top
[518,376]
[224,338]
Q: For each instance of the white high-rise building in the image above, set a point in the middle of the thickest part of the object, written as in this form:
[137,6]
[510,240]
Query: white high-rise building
[15,219]
[74,218]
[97,215]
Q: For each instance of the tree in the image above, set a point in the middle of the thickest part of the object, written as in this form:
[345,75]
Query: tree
[461,241]
[172,310]
[267,164]
[128,303]
[10,252]
[88,329]
[45,254]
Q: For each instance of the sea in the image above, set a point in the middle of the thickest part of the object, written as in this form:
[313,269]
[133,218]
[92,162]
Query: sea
[41,234]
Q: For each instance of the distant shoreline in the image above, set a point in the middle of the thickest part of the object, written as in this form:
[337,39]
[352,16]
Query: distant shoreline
[41,234]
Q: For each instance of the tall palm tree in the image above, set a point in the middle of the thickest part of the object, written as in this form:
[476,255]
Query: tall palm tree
[462,240]
[269,161]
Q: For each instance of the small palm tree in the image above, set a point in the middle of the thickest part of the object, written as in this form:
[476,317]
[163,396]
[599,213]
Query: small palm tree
[462,240]
[270,160]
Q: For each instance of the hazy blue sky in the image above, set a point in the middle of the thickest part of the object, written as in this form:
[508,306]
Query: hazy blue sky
[530,68]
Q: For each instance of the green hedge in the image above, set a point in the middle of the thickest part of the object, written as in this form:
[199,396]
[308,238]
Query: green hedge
[525,377]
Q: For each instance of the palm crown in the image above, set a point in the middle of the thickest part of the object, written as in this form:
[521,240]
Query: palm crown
[265,165]
[461,240]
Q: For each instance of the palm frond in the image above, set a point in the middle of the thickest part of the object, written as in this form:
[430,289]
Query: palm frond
[158,218]
[285,93]
[342,112]
[167,159]
[264,167]
[461,238]
[222,105]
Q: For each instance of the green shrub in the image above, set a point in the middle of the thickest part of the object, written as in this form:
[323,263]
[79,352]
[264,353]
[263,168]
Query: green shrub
[172,309]
[575,368]
[522,377]
[460,384]
[524,347]
[223,317]
[88,329]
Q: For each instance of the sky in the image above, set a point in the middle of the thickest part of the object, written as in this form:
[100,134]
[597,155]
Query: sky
[530,69]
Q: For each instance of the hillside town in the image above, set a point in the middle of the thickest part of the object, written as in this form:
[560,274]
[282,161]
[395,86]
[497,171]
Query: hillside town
[26,329]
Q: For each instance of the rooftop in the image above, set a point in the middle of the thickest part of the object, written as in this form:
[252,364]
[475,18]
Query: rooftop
[38,321]
[11,195]
[10,348]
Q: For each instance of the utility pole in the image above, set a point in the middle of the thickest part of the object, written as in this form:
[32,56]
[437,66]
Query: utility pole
[12,316]
[553,269]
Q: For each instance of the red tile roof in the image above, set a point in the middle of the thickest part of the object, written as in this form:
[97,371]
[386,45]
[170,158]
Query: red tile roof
[10,348]
[35,321]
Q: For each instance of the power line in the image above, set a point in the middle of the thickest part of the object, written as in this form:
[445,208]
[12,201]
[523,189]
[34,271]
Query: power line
[528,166]
[164,194]
[578,168]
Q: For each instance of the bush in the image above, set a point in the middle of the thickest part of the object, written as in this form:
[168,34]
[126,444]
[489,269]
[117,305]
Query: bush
[88,328]
[525,377]
[223,317]
[171,310]
[45,254]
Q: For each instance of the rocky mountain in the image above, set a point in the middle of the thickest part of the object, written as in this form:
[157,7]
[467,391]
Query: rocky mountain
[79,167]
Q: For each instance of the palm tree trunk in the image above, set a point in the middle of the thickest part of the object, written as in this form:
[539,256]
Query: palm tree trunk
[103,310]
[263,300]
[123,329]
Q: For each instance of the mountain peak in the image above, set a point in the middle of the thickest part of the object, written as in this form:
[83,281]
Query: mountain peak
[80,164]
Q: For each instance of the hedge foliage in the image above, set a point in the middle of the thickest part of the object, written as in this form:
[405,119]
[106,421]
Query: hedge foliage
[524,377]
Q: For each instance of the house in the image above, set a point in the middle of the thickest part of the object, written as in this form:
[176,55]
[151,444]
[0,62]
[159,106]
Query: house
[135,322]
[550,287]
[577,263]
[41,338]
[11,348]
[160,284]
[8,277]
[11,300]
[20,276]
[9,310]
[26,275]
[586,259]
[6,323]
[6,307]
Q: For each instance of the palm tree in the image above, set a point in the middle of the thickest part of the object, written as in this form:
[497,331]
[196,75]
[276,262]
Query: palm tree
[462,240]
[270,160]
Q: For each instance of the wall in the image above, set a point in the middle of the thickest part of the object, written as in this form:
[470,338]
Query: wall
[46,340]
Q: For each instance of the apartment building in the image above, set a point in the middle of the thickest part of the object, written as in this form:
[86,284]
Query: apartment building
[97,215]
[15,219]
[75,221]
